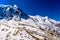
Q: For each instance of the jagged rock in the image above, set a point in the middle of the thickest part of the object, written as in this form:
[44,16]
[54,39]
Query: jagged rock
[16,25]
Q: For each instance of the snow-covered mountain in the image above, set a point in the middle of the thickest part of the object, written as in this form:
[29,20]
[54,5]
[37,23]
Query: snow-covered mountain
[16,25]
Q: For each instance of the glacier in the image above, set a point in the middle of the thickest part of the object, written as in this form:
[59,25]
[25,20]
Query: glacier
[17,25]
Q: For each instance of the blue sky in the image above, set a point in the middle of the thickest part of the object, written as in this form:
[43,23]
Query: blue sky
[50,8]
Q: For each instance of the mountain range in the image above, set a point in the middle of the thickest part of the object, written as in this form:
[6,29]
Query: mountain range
[17,25]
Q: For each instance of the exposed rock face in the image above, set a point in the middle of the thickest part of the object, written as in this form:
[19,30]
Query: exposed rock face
[19,26]
[58,25]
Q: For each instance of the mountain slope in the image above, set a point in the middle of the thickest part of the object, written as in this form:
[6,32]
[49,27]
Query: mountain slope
[16,25]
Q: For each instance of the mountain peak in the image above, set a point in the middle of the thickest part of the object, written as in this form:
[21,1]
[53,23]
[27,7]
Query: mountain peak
[9,11]
[15,6]
[14,25]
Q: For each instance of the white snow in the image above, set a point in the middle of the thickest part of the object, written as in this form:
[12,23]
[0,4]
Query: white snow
[13,27]
[36,27]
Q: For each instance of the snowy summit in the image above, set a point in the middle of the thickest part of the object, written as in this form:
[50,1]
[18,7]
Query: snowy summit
[17,25]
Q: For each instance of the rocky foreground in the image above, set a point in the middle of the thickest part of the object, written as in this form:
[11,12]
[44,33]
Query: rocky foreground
[28,30]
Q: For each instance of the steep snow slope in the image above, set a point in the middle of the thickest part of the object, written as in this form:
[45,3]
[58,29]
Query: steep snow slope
[16,25]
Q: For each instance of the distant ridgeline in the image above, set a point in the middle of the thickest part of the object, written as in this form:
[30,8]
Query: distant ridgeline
[8,12]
